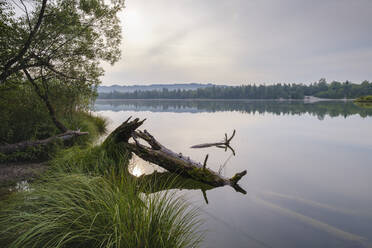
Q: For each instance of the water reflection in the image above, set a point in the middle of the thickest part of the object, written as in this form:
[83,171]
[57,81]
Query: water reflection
[308,181]
[319,109]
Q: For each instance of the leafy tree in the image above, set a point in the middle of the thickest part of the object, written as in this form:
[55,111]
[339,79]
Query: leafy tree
[58,44]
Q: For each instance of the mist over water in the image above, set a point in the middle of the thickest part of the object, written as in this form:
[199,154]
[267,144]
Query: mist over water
[309,167]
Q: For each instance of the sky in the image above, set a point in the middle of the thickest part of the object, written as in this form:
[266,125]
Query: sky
[234,42]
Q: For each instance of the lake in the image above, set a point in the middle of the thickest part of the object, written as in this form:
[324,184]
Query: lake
[309,167]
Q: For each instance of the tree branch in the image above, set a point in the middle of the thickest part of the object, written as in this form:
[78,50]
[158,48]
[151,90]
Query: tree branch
[224,145]
[4,75]
[44,97]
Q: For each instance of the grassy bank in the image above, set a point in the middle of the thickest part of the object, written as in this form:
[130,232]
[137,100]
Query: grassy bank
[76,210]
[86,198]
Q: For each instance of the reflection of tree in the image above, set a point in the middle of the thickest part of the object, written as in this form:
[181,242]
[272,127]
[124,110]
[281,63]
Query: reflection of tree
[318,109]
[367,105]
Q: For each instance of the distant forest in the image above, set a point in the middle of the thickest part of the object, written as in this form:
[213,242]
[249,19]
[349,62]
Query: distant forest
[321,89]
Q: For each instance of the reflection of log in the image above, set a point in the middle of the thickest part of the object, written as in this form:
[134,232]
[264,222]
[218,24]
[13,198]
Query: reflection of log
[159,181]
[158,154]
[21,146]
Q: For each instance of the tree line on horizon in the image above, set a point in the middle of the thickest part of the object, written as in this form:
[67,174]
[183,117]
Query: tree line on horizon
[320,109]
[321,89]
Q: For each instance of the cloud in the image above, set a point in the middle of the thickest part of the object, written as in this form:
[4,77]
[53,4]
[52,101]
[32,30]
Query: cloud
[239,41]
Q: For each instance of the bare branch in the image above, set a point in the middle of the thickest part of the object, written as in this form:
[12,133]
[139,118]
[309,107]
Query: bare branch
[224,145]
[205,195]
[205,161]
[27,16]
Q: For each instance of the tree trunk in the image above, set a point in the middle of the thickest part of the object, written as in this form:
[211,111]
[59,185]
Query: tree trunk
[44,97]
[21,146]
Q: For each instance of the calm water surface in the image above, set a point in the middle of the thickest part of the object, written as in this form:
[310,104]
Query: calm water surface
[309,167]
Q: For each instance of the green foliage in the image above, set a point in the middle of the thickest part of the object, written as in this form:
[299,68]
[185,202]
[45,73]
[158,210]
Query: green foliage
[23,116]
[71,40]
[81,211]
[321,89]
[36,153]
[364,99]
[364,102]
[87,122]
[53,52]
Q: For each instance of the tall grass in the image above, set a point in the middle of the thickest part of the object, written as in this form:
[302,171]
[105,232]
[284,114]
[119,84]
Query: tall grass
[75,210]
[92,160]
[88,199]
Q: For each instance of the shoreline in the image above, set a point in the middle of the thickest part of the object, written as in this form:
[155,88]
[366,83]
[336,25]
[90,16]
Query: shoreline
[306,100]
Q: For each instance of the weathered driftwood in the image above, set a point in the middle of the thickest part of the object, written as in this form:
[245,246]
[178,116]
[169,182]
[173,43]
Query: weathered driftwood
[21,146]
[224,144]
[173,162]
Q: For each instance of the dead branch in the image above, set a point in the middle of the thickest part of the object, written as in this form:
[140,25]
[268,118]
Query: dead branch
[224,144]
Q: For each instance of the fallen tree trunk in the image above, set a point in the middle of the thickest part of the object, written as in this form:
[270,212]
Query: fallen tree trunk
[173,162]
[21,146]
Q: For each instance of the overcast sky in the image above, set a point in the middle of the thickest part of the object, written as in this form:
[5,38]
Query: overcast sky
[244,41]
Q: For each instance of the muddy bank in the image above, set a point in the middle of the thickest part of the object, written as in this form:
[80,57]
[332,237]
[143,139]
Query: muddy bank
[13,173]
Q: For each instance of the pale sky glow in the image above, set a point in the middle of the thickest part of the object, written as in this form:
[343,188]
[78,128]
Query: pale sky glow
[244,41]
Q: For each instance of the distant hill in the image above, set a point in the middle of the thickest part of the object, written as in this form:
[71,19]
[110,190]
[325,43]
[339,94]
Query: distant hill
[159,87]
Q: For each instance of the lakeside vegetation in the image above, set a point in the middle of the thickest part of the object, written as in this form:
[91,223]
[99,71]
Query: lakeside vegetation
[50,58]
[366,99]
[321,89]
[86,200]
[84,196]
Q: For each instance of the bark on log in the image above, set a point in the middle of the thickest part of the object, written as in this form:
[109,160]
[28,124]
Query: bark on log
[173,162]
[21,146]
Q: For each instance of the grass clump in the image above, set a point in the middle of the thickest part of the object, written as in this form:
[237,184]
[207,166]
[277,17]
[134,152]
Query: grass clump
[91,160]
[77,210]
